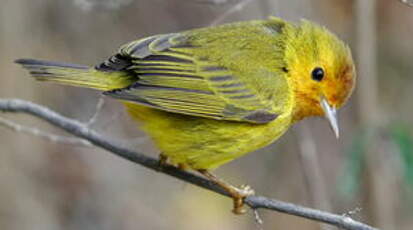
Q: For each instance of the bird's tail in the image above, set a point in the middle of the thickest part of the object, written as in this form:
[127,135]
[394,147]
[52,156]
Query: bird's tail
[75,75]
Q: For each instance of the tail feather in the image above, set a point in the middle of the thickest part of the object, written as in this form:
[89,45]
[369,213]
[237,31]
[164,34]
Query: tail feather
[73,74]
[38,63]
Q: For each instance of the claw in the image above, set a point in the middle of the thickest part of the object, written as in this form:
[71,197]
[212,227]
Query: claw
[238,194]
[238,197]
[163,161]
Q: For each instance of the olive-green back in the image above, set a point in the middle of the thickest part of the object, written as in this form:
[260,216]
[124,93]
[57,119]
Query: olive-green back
[230,72]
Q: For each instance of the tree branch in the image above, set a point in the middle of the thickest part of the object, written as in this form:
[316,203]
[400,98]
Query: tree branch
[81,130]
[42,134]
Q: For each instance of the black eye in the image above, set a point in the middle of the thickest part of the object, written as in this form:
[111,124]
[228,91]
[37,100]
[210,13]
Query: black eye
[317,74]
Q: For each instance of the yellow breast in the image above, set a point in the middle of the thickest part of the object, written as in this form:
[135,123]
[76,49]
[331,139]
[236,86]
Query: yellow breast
[205,143]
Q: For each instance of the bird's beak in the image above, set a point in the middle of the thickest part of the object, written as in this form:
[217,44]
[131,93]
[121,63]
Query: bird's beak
[331,115]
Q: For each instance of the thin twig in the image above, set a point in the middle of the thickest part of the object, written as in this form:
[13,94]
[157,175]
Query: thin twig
[42,134]
[213,2]
[407,2]
[98,110]
[353,212]
[258,219]
[255,202]
[233,9]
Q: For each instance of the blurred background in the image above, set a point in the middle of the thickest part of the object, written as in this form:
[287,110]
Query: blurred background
[366,174]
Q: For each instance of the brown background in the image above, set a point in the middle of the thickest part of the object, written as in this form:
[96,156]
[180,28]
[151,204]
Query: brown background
[45,185]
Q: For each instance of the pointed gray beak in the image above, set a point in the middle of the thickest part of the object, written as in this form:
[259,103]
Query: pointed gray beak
[331,115]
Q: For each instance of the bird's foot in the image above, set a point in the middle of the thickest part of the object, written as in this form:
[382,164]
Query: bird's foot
[238,194]
[162,162]
[183,166]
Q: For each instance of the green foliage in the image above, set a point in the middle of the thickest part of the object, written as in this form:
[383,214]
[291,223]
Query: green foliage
[399,135]
[403,139]
[349,182]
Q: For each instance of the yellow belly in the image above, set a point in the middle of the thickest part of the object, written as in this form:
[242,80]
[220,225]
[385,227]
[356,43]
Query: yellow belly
[204,143]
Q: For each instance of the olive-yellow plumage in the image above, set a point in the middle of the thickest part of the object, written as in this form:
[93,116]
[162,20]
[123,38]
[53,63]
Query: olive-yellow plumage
[208,96]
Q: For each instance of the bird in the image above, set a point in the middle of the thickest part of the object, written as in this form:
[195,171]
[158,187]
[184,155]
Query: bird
[210,95]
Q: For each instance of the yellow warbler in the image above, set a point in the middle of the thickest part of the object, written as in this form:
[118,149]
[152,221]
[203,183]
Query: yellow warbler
[208,96]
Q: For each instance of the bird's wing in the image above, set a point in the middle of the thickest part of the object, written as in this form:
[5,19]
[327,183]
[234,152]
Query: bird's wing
[173,75]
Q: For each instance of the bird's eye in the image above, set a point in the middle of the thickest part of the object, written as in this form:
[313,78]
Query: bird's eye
[317,74]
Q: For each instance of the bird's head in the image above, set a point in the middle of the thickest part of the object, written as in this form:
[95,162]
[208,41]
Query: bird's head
[321,71]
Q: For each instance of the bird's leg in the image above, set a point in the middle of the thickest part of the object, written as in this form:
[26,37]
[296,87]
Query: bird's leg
[163,161]
[238,194]
[183,166]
